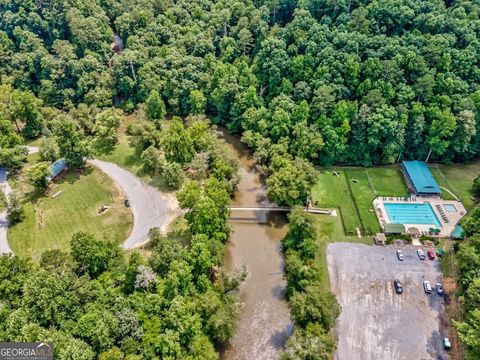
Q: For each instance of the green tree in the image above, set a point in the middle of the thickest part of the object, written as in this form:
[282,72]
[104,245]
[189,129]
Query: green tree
[13,158]
[49,149]
[290,181]
[476,186]
[8,137]
[98,328]
[92,255]
[174,175]
[15,210]
[50,298]
[197,102]
[155,107]
[72,144]
[106,125]
[37,175]
[26,108]
[312,343]
[316,306]
[176,143]
[153,160]
[469,334]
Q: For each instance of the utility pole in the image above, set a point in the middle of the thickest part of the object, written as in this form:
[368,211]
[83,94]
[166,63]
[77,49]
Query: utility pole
[428,156]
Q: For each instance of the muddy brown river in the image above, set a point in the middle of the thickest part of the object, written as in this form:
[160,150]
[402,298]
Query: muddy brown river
[265,322]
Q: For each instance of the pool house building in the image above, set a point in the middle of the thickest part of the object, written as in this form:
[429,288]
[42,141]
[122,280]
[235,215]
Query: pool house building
[419,178]
[423,212]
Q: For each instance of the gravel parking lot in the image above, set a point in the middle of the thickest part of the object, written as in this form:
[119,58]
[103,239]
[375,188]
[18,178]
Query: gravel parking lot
[375,322]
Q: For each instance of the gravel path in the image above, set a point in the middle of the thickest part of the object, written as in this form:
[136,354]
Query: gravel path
[150,207]
[5,188]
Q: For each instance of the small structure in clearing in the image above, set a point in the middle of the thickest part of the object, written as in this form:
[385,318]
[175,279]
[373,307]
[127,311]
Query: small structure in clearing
[57,168]
[380,239]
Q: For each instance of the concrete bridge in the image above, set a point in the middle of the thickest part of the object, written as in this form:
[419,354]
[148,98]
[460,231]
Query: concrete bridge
[312,210]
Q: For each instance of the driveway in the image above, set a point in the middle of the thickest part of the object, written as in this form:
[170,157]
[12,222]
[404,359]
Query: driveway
[5,188]
[150,207]
[375,322]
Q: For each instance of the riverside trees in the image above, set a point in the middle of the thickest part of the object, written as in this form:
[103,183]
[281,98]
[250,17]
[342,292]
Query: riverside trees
[362,82]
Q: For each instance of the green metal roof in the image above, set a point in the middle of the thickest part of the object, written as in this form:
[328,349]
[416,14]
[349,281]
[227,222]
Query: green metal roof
[421,177]
[56,168]
[394,228]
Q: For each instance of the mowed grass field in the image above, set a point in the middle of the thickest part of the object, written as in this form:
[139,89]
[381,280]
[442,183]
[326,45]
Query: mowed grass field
[353,191]
[331,191]
[363,196]
[387,181]
[459,179]
[49,223]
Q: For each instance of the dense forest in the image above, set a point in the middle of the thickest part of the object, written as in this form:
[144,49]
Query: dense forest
[467,257]
[357,82]
[307,82]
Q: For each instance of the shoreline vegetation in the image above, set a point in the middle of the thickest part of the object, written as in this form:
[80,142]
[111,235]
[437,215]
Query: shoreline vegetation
[305,84]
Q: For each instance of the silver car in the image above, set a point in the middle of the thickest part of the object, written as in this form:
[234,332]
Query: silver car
[427,287]
[421,254]
[400,255]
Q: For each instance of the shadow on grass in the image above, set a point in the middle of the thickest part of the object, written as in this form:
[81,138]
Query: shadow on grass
[102,147]
[73,175]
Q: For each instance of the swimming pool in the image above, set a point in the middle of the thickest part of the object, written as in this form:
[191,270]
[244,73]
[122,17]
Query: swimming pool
[450,207]
[400,213]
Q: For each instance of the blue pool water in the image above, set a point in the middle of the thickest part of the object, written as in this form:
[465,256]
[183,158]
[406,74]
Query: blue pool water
[450,207]
[411,214]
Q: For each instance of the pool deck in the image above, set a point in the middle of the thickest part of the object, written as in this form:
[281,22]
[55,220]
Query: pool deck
[447,219]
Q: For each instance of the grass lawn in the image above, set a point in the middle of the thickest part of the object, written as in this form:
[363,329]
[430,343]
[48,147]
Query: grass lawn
[387,181]
[35,142]
[443,182]
[49,223]
[459,179]
[333,191]
[354,199]
[363,194]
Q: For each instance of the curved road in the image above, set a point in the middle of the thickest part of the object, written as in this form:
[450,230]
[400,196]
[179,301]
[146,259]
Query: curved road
[5,188]
[150,207]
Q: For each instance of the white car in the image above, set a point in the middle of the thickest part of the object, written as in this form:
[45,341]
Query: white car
[427,287]
[400,255]
[421,254]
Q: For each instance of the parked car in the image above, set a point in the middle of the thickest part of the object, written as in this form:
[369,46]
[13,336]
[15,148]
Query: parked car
[421,254]
[427,287]
[439,288]
[127,203]
[446,344]
[398,286]
[400,255]
[431,255]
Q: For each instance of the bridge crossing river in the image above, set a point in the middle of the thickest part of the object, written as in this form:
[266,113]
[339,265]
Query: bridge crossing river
[312,210]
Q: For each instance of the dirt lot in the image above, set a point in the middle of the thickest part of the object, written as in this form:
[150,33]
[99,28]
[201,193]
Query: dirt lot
[375,322]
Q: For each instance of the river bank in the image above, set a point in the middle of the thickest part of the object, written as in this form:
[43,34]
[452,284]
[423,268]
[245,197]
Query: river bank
[265,322]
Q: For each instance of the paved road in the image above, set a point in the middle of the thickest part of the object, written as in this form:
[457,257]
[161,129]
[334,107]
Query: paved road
[150,207]
[32,149]
[5,188]
[375,322]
